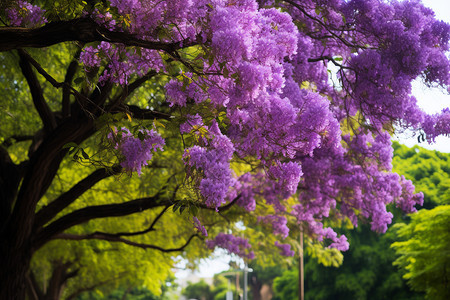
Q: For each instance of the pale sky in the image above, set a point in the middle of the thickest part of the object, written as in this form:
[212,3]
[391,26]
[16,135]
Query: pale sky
[431,101]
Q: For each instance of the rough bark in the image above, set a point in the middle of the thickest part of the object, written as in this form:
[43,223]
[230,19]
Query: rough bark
[17,230]
[15,262]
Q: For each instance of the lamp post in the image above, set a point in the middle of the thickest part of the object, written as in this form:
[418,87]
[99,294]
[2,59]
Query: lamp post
[246,270]
[301,279]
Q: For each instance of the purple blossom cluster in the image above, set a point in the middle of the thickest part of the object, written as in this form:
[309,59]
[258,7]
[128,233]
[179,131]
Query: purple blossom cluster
[137,151]
[121,63]
[244,191]
[199,226]
[105,19]
[236,245]
[25,14]
[437,124]
[213,160]
[322,141]
[192,123]
[285,249]
[279,224]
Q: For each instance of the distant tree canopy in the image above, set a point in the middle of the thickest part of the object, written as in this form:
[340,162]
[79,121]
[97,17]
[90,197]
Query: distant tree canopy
[424,251]
[429,170]
[422,245]
[134,131]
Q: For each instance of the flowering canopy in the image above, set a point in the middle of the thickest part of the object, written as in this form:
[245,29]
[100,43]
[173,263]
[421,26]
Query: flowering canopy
[305,93]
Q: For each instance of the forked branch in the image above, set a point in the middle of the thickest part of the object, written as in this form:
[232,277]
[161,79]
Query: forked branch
[106,237]
[48,212]
[47,117]
[96,212]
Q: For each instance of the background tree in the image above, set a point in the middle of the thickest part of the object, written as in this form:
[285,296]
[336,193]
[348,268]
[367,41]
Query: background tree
[240,119]
[262,275]
[421,244]
[423,255]
[200,290]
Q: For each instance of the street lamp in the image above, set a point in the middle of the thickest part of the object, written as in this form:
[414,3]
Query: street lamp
[246,270]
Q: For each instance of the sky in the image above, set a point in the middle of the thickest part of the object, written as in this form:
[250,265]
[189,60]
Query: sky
[430,100]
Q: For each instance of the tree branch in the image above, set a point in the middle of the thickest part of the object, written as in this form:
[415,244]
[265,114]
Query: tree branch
[128,89]
[70,73]
[82,30]
[140,81]
[327,27]
[65,85]
[34,291]
[147,114]
[329,58]
[37,95]
[150,228]
[18,138]
[48,212]
[98,97]
[39,68]
[221,208]
[95,212]
[99,236]
[89,288]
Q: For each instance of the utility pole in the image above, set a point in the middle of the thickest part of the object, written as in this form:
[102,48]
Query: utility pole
[246,270]
[301,284]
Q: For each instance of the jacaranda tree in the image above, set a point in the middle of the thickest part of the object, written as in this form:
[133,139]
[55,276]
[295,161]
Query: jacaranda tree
[280,111]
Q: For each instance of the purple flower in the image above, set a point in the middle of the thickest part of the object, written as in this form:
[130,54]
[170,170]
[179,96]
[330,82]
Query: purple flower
[26,15]
[199,226]
[137,151]
[285,249]
[236,245]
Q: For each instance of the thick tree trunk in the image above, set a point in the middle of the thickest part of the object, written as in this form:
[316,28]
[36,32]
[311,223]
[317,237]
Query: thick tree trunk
[17,230]
[14,264]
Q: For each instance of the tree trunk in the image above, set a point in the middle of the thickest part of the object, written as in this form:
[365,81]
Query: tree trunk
[58,280]
[16,228]
[14,264]
[255,287]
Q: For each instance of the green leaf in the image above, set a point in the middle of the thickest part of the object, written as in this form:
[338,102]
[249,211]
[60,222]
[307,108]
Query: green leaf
[176,206]
[70,145]
[141,136]
[193,210]
[84,154]
[79,80]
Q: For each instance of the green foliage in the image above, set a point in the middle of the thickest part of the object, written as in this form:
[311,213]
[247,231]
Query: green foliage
[111,264]
[264,274]
[122,293]
[286,286]
[429,171]
[203,291]
[424,253]
[200,290]
[423,249]
[366,273]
